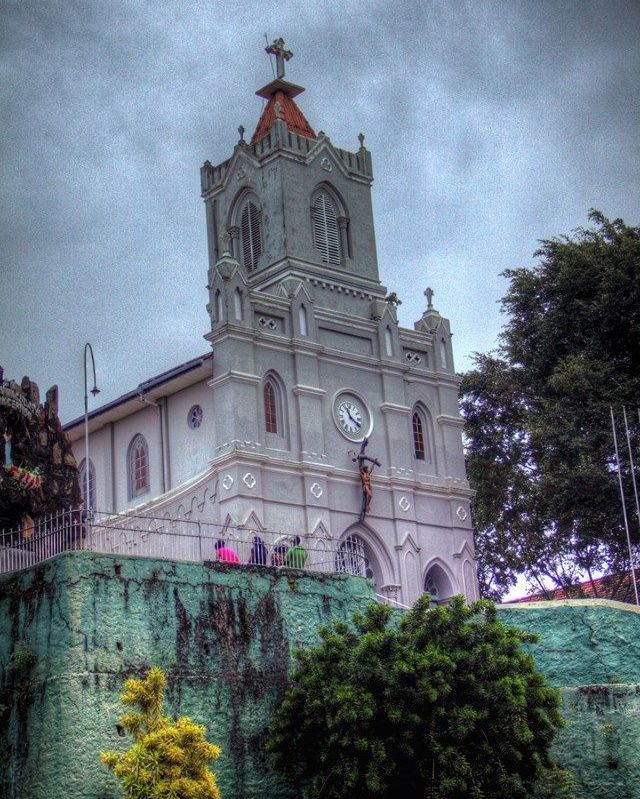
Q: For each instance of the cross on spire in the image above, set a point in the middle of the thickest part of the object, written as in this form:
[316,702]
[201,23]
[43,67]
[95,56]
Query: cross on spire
[276,48]
[428,293]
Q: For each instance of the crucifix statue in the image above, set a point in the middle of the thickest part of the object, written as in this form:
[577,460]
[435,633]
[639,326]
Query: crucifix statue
[276,48]
[365,477]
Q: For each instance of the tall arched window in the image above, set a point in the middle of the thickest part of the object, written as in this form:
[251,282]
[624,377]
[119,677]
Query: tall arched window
[443,353]
[302,316]
[326,236]
[388,342]
[82,479]
[271,407]
[138,466]
[250,234]
[419,449]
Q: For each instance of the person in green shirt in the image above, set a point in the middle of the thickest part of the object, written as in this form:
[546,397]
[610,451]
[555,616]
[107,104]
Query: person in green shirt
[296,556]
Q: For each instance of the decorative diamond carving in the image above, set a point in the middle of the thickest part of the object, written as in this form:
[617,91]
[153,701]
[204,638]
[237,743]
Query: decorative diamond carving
[326,165]
[249,480]
[241,173]
[461,513]
[316,490]
[227,482]
[404,504]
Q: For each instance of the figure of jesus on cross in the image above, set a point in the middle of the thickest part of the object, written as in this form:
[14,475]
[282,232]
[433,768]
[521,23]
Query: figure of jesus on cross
[365,477]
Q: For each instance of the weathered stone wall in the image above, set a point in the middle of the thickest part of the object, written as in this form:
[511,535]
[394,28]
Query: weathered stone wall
[37,442]
[225,637]
[590,649]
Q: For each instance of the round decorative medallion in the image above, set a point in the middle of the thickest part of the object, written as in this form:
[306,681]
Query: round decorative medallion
[351,416]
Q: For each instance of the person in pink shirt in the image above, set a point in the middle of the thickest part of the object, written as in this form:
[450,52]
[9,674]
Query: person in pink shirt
[226,554]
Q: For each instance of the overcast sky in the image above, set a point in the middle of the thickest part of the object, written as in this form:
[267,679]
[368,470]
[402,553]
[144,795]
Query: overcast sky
[491,125]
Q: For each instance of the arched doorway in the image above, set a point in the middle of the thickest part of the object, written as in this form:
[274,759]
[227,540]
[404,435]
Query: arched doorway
[438,585]
[354,556]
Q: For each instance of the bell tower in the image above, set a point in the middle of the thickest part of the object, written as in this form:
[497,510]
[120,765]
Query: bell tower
[293,204]
[309,360]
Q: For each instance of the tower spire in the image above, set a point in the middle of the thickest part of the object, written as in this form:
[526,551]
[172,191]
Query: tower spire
[280,93]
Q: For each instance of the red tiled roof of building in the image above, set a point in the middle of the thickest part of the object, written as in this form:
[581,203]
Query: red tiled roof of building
[613,586]
[289,112]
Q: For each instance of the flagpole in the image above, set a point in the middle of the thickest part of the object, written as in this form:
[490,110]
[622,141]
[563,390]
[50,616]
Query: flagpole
[624,509]
[633,468]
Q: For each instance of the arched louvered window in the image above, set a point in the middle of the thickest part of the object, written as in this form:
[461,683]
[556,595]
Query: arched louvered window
[270,408]
[418,437]
[82,479]
[326,236]
[250,233]
[138,466]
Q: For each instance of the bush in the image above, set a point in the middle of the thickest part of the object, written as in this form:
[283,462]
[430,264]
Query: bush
[168,759]
[446,704]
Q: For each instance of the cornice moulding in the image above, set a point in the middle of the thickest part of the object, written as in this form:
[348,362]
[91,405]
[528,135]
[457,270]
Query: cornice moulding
[239,377]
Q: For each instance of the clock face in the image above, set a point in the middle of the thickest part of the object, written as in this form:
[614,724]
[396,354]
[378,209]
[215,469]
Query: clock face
[351,416]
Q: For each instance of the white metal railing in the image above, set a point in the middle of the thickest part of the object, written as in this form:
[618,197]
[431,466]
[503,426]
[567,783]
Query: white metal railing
[171,539]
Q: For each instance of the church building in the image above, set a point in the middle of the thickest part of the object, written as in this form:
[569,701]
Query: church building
[306,361]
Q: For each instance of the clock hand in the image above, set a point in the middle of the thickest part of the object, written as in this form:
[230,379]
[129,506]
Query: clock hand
[356,423]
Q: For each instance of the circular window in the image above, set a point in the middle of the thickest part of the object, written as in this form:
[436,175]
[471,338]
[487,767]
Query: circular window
[194,417]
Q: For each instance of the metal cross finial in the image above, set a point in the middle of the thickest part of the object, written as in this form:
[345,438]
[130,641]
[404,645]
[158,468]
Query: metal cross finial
[241,132]
[276,48]
[428,293]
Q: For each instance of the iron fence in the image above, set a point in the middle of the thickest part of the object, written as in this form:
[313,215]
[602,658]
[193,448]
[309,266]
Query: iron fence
[172,539]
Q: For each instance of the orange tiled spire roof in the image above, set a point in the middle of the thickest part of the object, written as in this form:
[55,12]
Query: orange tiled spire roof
[280,94]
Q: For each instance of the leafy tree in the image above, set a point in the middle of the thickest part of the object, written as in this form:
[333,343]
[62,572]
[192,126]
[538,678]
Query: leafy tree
[168,759]
[444,705]
[540,450]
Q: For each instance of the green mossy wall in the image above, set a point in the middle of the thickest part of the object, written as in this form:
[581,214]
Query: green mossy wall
[225,636]
[590,649]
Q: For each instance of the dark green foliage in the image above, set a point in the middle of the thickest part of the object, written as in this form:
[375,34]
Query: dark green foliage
[445,705]
[540,451]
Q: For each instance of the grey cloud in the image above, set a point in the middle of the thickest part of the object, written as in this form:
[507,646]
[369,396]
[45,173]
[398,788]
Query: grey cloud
[491,125]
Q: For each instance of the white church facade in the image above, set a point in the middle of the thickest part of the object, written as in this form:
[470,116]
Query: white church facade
[306,360]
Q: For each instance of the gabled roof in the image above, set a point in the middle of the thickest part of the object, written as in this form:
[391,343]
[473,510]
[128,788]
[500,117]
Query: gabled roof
[166,383]
[289,112]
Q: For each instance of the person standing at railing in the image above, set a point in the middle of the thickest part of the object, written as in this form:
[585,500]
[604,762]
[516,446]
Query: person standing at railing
[278,555]
[258,554]
[297,555]
[226,554]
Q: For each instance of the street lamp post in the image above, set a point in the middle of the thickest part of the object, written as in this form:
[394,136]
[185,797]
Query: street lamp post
[95,390]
